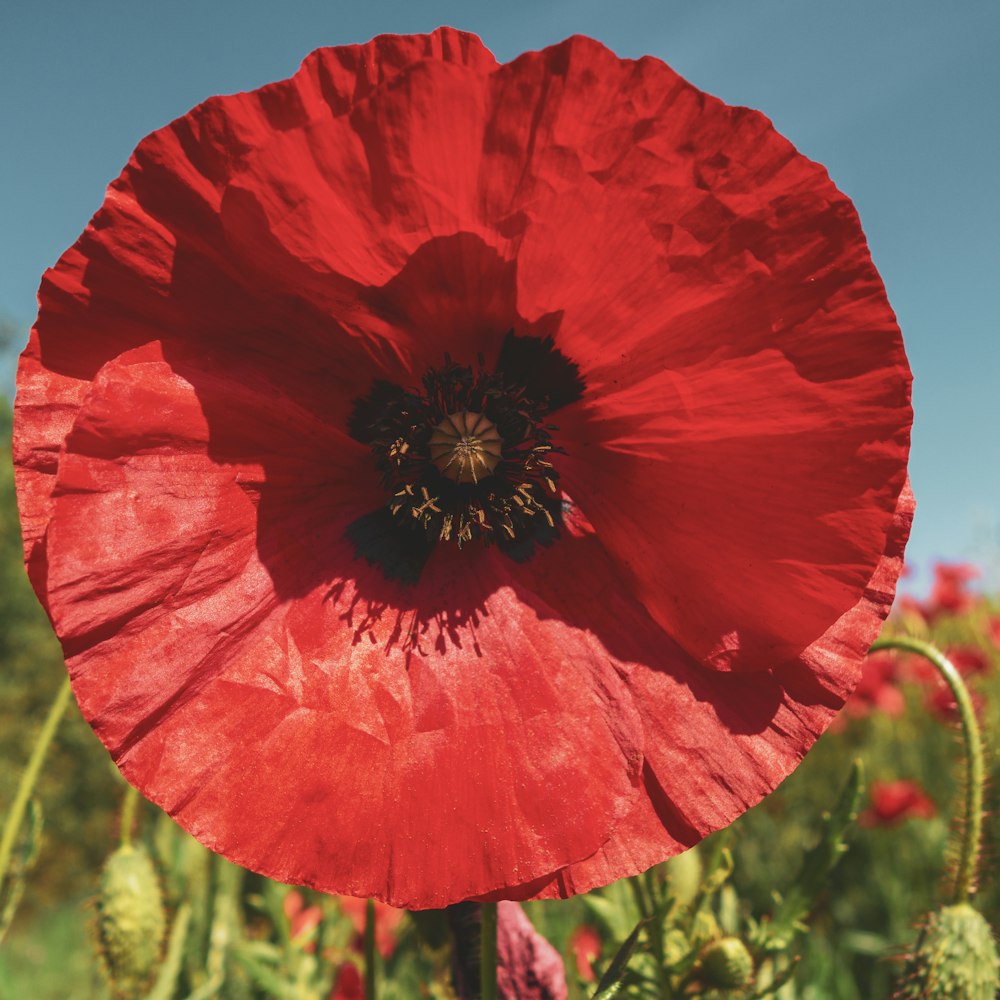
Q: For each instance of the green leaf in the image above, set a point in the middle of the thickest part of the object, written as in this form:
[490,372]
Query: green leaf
[608,914]
[614,977]
[166,981]
[820,861]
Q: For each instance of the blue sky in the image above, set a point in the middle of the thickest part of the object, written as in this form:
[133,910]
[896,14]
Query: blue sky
[900,99]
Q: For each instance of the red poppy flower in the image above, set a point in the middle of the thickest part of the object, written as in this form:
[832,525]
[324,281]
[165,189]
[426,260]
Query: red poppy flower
[387,920]
[895,801]
[969,661]
[907,606]
[950,593]
[878,690]
[348,984]
[325,341]
[302,920]
[939,701]
[993,630]
[586,946]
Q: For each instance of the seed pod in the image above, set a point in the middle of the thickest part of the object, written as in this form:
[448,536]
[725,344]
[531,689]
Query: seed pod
[955,956]
[726,964]
[131,921]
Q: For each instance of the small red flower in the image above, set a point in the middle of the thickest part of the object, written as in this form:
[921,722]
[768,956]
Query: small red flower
[528,967]
[967,660]
[878,690]
[939,701]
[387,920]
[950,593]
[908,606]
[348,984]
[586,946]
[993,630]
[302,920]
[325,340]
[895,801]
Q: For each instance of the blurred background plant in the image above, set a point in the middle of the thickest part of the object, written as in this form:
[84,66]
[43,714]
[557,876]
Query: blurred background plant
[816,893]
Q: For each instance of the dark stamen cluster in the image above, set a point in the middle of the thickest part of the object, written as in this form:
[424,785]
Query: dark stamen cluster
[511,497]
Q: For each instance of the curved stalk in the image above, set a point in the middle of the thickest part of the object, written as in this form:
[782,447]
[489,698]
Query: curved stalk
[973,827]
[12,824]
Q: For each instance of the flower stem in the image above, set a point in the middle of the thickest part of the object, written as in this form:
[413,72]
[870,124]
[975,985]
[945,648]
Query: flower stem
[15,817]
[465,923]
[488,958]
[130,806]
[972,828]
[370,950]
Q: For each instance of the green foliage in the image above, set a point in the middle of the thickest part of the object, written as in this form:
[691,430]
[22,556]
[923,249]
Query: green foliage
[955,956]
[699,943]
[818,863]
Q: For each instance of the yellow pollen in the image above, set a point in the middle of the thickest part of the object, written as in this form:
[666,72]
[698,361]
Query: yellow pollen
[465,447]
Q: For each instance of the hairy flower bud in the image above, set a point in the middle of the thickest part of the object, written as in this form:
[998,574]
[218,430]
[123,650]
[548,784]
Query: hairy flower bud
[726,964]
[955,956]
[131,921]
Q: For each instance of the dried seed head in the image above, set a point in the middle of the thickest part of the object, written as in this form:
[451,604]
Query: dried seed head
[131,921]
[955,956]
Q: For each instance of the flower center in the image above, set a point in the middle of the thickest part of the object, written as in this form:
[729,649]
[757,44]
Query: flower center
[467,454]
[465,447]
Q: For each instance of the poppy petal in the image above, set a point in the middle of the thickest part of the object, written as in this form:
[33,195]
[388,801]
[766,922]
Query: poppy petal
[157,262]
[742,447]
[715,743]
[399,715]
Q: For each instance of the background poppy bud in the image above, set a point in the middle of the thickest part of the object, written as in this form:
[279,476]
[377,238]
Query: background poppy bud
[131,921]
[956,956]
[726,963]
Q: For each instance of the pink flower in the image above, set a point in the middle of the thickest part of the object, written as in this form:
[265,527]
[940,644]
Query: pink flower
[528,967]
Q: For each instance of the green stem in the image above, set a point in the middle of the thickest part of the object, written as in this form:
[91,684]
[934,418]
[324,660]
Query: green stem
[130,806]
[370,950]
[12,824]
[488,966]
[651,915]
[639,897]
[972,829]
